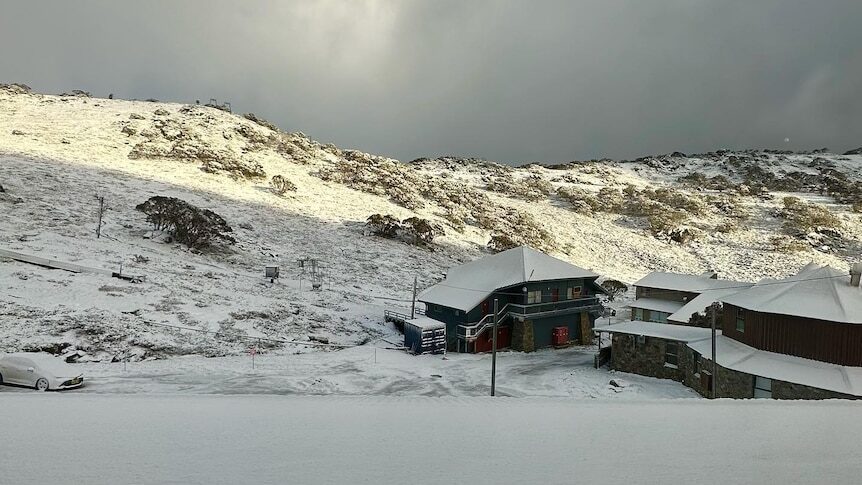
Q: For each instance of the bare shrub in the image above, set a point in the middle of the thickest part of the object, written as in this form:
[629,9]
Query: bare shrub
[803,217]
[413,230]
[280,185]
[614,288]
[260,121]
[501,242]
[786,244]
[581,200]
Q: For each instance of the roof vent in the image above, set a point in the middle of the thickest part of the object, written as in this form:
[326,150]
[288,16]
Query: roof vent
[855,274]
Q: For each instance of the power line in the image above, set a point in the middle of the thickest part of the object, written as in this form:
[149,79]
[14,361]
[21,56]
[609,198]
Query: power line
[659,290]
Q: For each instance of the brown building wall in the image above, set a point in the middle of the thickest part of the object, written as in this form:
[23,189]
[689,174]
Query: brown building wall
[837,343]
[658,293]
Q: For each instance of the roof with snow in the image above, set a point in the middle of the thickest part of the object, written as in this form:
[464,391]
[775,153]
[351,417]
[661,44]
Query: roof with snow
[425,323]
[735,355]
[467,285]
[656,304]
[686,282]
[700,303]
[669,331]
[817,292]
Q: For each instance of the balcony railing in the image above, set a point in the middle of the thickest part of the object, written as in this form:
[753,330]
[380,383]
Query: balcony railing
[471,331]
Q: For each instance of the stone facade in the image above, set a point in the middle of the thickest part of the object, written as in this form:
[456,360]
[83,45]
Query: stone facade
[648,357]
[522,336]
[644,356]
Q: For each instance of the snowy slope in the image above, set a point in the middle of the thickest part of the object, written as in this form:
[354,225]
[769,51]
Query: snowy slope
[57,153]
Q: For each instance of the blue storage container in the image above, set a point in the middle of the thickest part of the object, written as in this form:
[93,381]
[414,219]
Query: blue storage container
[423,335]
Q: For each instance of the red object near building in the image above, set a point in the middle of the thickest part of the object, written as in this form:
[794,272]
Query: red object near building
[484,342]
[560,336]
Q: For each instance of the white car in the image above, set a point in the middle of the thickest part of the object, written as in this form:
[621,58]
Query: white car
[39,371]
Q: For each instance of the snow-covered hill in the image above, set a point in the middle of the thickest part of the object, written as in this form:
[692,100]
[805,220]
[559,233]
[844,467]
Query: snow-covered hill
[58,153]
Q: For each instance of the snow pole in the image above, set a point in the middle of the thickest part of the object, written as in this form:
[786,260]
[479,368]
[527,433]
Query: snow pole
[494,352]
[714,365]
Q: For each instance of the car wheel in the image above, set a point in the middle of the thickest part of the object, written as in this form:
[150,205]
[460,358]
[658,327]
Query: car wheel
[42,384]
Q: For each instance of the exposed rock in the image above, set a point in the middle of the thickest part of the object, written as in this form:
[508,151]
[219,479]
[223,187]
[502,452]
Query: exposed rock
[855,151]
[161,112]
[15,88]
[18,132]
[128,130]
[135,116]
[77,93]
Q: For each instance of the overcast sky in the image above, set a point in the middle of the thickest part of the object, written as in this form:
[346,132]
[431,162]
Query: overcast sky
[503,80]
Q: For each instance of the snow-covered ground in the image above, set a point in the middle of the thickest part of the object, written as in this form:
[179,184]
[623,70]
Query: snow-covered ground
[370,370]
[329,439]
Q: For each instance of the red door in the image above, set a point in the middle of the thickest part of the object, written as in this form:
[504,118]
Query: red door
[555,294]
[485,343]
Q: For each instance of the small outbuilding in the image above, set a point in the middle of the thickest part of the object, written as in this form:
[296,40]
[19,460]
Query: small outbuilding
[423,335]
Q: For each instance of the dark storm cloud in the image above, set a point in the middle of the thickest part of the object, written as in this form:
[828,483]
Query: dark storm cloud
[511,81]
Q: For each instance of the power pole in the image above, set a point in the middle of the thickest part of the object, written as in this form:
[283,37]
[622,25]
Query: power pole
[494,352]
[101,212]
[714,366]
[413,307]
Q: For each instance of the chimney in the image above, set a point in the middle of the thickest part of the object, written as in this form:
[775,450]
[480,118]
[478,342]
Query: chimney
[855,274]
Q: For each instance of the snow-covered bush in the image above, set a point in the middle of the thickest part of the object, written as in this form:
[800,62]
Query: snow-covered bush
[614,288]
[786,244]
[196,228]
[168,138]
[803,217]
[671,225]
[412,230]
[260,121]
[581,200]
[501,242]
[518,228]
[281,184]
[611,199]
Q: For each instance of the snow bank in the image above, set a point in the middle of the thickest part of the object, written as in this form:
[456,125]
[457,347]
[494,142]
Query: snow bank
[215,440]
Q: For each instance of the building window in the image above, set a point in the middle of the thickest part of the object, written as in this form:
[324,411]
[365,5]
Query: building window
[740,320]
[534,297]
[762,388]
[572,293]
[555,294]
[670,356]
[637,314]
[658,317]
[696,363]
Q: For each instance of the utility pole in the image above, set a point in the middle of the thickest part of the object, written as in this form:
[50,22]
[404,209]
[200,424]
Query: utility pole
[714,366]
[494,352]
[101,212]
[413,307]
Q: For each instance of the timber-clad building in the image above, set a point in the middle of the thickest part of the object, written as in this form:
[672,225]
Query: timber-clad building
[542,301]
[794,338]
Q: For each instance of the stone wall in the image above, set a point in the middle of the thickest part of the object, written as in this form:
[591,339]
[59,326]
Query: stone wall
[522,336]
[788,390]
[648,359]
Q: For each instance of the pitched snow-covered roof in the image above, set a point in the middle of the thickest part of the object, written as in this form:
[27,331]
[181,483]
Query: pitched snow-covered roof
[684,282]
[701,302]
[467,285]
[735,355]
[680,333]
[657,304]
[818,292]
